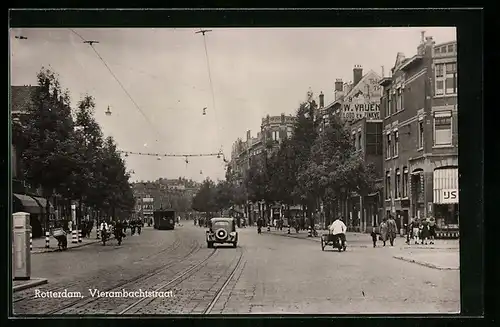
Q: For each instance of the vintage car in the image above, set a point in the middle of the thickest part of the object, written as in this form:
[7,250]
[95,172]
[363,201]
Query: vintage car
[222,231]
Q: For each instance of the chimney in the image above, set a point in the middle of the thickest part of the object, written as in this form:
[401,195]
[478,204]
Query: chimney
[248,135]
[321,100]
[422,36]
[357,74]
[339,89]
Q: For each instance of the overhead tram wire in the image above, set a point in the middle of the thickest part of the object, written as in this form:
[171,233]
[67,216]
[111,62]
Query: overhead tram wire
[218,154]
[210,80]
[90,43]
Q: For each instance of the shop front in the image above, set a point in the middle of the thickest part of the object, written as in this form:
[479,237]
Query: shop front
[446,199]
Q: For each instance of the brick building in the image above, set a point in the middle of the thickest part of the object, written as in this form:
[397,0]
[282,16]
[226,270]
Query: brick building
[419,111]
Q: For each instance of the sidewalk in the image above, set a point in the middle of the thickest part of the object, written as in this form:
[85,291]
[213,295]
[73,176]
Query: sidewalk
[437,260]
[19,285]
[355,237]
[39,243]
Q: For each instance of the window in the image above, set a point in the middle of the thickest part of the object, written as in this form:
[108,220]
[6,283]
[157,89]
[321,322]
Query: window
[437,50]
[354,140]
[289,131]
[360,144]
[388,103]
[276,135]
[397,190]
[393,102]
[399,100]
[442,128]
[396,144]
[405,182]
[451,78]
[420,134]
[450,48]
[388,185]
[388,147]
[446,78]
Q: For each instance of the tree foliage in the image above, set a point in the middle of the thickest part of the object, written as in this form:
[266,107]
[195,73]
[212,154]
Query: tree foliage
[66,154]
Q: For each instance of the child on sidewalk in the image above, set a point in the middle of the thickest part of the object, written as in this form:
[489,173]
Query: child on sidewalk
[374,237]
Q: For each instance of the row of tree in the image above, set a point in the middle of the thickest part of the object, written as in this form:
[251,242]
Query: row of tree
[64,152]
[317,164]
[216,197]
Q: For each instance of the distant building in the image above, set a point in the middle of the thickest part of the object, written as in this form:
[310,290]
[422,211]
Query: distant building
[419,110]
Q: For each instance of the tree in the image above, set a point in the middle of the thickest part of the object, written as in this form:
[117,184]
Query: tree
[115,180]
[204,199]
[303,137]
[334,168]
[48,152]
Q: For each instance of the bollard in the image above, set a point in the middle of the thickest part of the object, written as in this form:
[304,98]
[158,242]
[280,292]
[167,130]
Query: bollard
[21,260]
[288,230]
[79,236]
[309,232]
[97,235]
[31,241]
[47,239]
[268,228]
[74,237]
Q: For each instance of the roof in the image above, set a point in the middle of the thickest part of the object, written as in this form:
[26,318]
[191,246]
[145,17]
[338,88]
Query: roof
[22,97]
[353,89]
[407,63]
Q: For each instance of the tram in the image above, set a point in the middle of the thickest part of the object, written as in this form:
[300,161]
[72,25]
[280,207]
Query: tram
[164,219]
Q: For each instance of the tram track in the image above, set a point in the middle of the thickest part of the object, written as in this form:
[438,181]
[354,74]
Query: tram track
[138,279]
[177,243]
[185,276]
[25,301]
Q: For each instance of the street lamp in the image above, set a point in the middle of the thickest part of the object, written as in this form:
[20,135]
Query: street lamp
[108,112]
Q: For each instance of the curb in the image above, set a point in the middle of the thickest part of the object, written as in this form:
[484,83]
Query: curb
[428,265]
[32,283]
[69,247]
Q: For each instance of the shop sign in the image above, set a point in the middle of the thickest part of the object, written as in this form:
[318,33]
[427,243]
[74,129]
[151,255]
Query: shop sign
[449,196]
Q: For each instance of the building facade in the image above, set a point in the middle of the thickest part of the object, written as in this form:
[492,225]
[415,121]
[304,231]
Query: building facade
[274,129]
[419,110]
[357,103]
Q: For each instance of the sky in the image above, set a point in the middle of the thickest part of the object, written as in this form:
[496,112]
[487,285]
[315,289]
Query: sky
[254,72]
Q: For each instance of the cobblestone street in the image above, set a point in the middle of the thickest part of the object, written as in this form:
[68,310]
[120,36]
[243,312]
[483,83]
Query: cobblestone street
[265,274]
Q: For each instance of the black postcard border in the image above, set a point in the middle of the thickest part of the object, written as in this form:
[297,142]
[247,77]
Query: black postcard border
[470,32]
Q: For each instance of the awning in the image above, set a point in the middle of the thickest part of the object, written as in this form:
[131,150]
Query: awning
[445,185]
[43,203]
[26,203]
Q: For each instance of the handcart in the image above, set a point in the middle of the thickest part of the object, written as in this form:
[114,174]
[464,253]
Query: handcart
[333,240]
[60,235]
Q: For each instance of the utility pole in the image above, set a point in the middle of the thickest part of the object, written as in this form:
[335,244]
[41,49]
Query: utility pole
[202,31]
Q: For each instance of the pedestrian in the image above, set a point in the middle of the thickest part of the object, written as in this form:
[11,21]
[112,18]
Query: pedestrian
[384,228]
[415,230]
[374,237]
[391,229]
[432,230]
[424,234]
